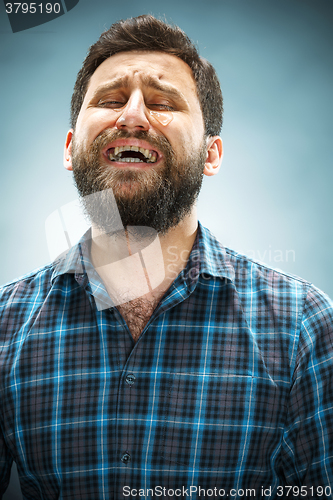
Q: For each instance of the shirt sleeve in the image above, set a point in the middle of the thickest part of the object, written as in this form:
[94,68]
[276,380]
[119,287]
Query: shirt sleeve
[307,450]
[6,462]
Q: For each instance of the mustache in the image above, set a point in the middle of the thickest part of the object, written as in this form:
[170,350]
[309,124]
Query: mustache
[107,136]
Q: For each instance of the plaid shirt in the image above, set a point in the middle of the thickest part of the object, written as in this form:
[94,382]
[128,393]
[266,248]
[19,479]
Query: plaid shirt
[229,388]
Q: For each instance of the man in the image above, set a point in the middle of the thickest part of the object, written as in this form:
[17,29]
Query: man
[215,382]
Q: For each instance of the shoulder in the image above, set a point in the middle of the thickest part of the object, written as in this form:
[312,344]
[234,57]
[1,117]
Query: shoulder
[248,268]
[288,295]
[267,290]
[27,282]
[21,296]
[240,268]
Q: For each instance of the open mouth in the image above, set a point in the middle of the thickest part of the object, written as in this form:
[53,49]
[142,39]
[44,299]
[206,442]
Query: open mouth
[132,154]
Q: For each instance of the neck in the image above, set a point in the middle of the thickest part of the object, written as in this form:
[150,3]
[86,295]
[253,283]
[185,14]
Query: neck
[141,263]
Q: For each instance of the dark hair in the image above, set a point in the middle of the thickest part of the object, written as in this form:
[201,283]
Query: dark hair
[148,34]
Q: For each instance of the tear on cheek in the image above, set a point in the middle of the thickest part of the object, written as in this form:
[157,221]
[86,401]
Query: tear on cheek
[162,118]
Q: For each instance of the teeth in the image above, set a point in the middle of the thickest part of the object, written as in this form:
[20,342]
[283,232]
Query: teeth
[151,157]
[131,160]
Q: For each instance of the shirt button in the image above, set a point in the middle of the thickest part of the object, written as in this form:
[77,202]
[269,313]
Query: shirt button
[130,379]
[126,458]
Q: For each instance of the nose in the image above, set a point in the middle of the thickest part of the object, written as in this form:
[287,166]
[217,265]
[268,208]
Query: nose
[134,115]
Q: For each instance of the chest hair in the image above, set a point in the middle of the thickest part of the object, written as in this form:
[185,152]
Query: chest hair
[137,313]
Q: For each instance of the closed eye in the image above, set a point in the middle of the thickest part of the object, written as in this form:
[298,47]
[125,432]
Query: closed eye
[162,107]
[111,104]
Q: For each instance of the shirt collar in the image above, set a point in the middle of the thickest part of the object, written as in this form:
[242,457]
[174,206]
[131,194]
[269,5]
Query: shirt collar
[208,258]
[214,260]
[75,260]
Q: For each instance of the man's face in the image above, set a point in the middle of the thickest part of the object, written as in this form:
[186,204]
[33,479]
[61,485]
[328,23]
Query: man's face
[140,132]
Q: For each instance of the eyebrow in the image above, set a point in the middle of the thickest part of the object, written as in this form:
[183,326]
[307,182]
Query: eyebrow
[148,81]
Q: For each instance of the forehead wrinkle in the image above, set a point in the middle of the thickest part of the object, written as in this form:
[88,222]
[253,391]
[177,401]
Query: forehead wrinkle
[155,83]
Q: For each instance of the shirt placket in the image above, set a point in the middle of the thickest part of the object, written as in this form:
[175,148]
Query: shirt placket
[139,397]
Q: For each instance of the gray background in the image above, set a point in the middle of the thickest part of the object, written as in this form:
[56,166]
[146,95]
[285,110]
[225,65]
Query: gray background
[273,196]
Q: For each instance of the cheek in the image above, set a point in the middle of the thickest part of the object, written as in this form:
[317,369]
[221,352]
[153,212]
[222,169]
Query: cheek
[93,123]
[184,143]
[186,133]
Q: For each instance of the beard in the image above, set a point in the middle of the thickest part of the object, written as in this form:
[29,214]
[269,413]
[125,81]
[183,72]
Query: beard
[158,197]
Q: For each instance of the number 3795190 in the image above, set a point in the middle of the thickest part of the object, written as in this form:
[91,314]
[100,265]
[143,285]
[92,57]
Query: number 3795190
[32,8]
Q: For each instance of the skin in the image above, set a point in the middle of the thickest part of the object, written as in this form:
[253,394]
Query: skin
[121,94]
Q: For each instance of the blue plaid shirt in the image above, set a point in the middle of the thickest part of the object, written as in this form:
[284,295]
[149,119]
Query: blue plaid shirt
[229,388]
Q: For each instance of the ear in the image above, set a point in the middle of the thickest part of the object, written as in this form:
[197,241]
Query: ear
[68,150]
[214,155]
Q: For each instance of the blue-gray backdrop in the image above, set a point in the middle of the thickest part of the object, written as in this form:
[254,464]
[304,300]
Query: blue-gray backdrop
[273,196]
